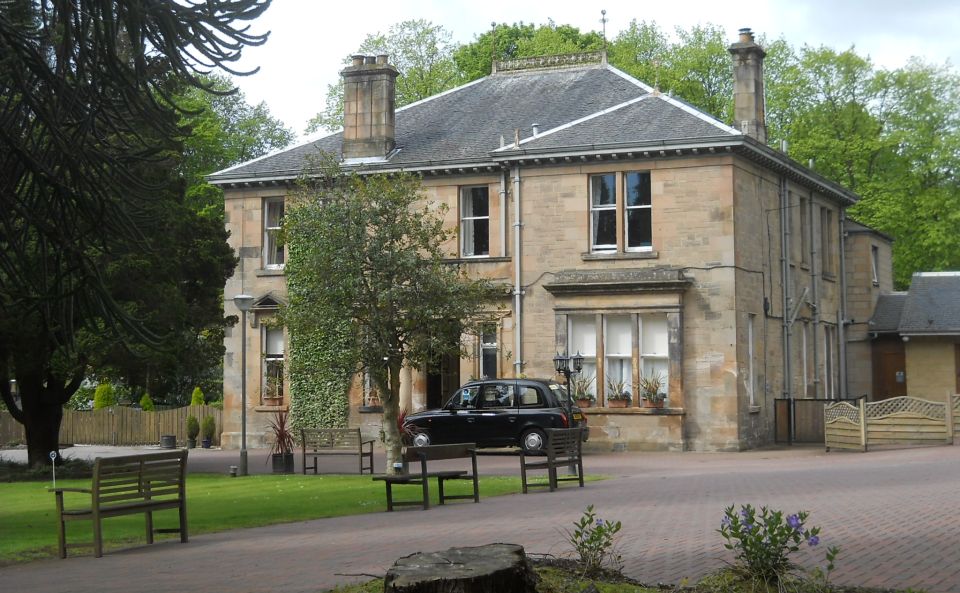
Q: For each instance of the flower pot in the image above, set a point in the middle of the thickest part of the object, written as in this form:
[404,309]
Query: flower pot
[168,441]
[206,443]
[191,443]
[282,463]
[617,403]
[652,404]
[584,403]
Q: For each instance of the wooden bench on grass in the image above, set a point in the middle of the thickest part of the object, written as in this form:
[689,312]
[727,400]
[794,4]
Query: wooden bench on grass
[336,441]
[128,485]
[563,449]
[421,478]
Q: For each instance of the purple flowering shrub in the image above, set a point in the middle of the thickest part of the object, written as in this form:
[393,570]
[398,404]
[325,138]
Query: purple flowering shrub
[764,540]
[593,539]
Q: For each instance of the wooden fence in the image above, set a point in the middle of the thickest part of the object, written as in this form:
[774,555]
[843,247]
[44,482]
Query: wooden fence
[118,426]
[895,421]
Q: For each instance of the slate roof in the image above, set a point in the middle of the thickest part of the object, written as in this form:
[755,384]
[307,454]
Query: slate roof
[933,304]
[468,125]
[887,313]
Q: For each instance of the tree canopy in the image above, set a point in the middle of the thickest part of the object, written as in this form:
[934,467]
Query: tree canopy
[89,138]
[369,281]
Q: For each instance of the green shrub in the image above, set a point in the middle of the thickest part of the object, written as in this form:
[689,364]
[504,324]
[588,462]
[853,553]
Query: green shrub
[209,427]
[146,404]
[104,397]
[196,398]
[594,542]
[218,404]
[193,427]
[764,540]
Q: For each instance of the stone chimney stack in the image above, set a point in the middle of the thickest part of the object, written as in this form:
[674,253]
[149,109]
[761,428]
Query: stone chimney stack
[748,103]
[369,107]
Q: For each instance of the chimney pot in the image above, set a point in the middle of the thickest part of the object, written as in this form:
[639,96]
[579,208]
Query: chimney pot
[369,60]
[357,60]
[382,59]
[746,35]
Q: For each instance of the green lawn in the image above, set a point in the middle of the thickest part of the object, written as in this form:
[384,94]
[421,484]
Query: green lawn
[28,527]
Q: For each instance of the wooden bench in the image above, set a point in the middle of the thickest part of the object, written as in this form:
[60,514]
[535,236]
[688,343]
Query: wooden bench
[336,441]
[563,448]
[421,478]
[128,485]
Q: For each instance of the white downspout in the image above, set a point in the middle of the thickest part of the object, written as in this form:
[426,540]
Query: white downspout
[517,286]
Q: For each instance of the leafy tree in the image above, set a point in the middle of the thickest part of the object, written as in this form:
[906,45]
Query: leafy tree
[421,52]
[146,403]
[366,250]
[87,130]
[224,130]
[196,398]
[519,40]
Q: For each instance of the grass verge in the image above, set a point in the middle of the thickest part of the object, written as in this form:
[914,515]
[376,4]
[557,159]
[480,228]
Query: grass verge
[214,503]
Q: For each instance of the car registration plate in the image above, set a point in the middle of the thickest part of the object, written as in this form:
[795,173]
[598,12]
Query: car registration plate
[578,416]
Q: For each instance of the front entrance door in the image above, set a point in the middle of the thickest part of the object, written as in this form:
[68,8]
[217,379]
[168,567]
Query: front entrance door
[443,377]
[889,368]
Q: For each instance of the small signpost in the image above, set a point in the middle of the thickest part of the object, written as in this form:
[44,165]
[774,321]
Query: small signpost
[53,464]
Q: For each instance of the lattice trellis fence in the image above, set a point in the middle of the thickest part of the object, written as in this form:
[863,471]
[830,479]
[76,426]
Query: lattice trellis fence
[904,421]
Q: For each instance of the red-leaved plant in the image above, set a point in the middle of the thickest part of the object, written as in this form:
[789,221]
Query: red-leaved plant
[282,435]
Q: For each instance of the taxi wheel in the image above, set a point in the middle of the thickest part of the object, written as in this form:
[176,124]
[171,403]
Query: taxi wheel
[533,441]
[421,439]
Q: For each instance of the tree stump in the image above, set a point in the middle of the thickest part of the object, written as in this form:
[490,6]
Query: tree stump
[494,568]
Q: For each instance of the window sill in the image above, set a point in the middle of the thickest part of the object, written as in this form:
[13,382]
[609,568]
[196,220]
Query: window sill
[637,411]
[754,409]
[600,256]
[477,260]
[829,277]
[370,409]
[269,272]
[264,408]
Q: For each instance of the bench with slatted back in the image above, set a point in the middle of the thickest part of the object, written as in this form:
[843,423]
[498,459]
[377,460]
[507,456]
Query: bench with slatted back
[431,453]
[563,448]
[127,485]
[336,441]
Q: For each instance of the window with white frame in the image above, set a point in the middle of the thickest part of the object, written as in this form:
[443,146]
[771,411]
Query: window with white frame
[655,348]
[475,221]
[273,254]
[617,354]
[603,212]
[638,212]
[488,351]
[582,338]
[273,355]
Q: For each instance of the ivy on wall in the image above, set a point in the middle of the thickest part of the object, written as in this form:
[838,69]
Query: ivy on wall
[319,376]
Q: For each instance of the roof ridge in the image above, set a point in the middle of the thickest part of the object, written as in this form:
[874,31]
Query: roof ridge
[572,123]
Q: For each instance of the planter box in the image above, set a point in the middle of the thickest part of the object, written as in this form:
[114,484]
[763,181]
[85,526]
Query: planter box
[282,463]
[168,441]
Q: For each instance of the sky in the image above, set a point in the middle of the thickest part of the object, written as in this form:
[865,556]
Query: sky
[310,38]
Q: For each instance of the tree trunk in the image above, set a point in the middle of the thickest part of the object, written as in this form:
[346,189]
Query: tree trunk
[40,412]
[391,412]
[494,568]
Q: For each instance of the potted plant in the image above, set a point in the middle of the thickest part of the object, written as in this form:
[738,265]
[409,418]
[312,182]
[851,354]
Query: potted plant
[618,396]
[651,389]
[208,427]
[193,429]
[580,386]
[281,454]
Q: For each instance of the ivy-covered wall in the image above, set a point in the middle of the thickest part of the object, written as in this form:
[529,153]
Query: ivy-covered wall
[319,376]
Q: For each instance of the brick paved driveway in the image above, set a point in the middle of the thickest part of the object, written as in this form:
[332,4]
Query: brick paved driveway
[893,513]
